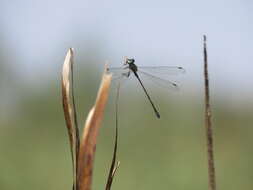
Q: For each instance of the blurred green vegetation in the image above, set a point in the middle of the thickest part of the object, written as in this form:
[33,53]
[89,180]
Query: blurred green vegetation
[169,153]
[154,154]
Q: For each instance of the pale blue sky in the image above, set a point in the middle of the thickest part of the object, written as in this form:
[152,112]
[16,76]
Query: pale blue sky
[153,32]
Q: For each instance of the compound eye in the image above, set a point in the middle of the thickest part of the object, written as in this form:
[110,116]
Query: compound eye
[130,60]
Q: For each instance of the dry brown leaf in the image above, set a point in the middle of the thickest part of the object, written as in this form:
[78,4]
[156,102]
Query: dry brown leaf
[89,138]
[70,110]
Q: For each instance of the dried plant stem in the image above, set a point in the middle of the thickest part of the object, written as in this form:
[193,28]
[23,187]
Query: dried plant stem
[114,168]
[83,154]
[208,124]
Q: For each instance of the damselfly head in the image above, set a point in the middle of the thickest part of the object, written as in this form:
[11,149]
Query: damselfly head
[130,61]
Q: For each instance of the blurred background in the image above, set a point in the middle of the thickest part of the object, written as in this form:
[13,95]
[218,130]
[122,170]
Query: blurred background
[169,153]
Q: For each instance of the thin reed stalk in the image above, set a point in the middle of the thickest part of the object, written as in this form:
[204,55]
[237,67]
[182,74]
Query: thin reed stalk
[114,167]
[208,124]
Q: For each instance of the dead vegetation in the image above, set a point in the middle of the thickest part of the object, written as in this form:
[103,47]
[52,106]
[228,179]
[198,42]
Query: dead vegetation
[83,150]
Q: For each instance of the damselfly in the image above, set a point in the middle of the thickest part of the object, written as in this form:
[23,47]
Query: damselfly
[129,67]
